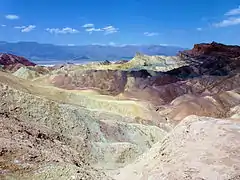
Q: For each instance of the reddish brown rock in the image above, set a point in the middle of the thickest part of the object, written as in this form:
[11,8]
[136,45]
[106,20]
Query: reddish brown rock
[12,62]
[109,82]
[209,59]
[213,49]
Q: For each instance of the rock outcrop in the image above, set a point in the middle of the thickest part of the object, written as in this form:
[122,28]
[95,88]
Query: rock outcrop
[12,62]
[213,49]
[212,59]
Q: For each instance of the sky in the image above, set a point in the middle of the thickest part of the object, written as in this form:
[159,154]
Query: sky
[120,22]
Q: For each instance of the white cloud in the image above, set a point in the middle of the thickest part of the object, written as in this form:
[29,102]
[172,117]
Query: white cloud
[112,44]
[234,18]
[70,44]
[98,44]
[91,30]
[3,25]
[122,45]
[88,25]
[66,30]
[20,27]
[110,30]
[28,28]
[150,34]
[115,44]
[228,22]
[199,29]
[11,16]
[118,45]
[233,12]
[107,30]
[164,44]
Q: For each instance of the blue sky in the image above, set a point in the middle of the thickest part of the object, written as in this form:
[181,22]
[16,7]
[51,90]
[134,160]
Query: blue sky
[117,22]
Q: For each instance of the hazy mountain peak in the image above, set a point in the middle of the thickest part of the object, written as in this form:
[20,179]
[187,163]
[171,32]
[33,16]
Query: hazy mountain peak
[36,51]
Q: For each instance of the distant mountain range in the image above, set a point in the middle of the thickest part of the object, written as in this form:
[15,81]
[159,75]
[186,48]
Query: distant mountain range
[49,52]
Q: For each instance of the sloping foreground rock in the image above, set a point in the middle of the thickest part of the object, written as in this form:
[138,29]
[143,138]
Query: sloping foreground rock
[31,151]
[198,148]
